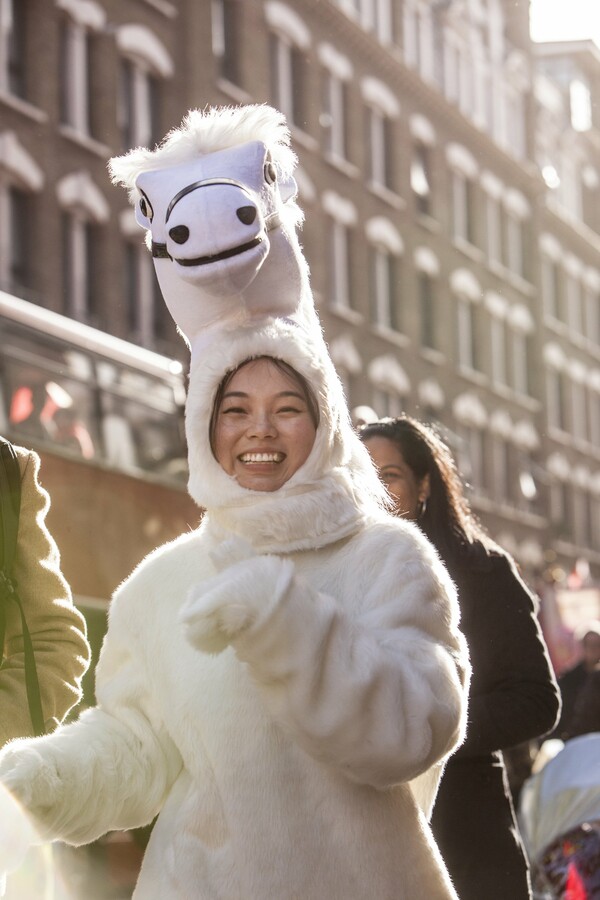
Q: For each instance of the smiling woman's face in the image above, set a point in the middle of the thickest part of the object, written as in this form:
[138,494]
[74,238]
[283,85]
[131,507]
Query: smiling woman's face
[264,430]
[404,488]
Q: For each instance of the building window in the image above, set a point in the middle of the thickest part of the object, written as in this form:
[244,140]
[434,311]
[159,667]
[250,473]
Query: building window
[556,399]
[578,409]
[339,269]
[227,38]
[500,468]
[341,220]
[524,487]
[335,116]
[15,254]
[289,42]
[418,37]
[514,245]
[573,303]
[79,283]
[595,520]
[581,105]
[390,385]
[426,292]
[12,46]
[148,320]
[464,173]
[493,222]
[380,148]
[467,334]
[387,402]
[337,71]
[592,314]
[288,74]
[384,279]
[470,455]
[382,109]
[560,506]
[138,107]
[20,178]
[458,73]
[593,395]
[385,248]
[580,511]
[421,177]
[20,225]
[145,63]
[520,362]
[551,286]
[85,209]
[75,88]
[514,137]
[383,21]
[498,342]
[463,207]
[79,23]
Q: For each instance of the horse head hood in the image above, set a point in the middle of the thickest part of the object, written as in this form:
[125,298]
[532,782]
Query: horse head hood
[217,200]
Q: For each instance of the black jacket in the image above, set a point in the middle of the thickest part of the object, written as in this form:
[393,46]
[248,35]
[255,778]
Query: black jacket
[513,698]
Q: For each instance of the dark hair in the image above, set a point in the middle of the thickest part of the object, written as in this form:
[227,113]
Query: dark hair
[286,369]
[447,519]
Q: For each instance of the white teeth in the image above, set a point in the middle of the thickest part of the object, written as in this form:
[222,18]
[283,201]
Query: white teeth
[261,457]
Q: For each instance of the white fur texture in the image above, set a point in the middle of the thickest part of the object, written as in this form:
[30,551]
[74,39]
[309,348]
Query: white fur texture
[350,682]
[223,607]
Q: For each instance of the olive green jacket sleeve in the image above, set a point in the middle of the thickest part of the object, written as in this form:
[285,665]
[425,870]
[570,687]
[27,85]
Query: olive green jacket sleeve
[57,628]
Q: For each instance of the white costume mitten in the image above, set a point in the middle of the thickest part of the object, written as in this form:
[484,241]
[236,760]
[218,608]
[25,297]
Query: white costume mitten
[16,836]
[28,776]
[229,603]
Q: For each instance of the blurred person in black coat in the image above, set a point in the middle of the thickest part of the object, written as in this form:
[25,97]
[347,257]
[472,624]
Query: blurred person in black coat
[573,685]
[514,696]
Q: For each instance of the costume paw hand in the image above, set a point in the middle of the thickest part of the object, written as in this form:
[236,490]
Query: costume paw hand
[223,607]
[29,778]
[16,834]
[232,551]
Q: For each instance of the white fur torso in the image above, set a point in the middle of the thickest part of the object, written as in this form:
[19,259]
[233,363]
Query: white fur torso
[252,815]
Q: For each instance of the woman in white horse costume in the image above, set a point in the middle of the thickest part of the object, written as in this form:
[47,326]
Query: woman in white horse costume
[282,685]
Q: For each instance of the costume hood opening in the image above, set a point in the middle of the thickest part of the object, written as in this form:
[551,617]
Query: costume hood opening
[337,482]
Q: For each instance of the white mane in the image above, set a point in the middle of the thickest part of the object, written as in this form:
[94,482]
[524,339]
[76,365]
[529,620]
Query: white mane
[203,132]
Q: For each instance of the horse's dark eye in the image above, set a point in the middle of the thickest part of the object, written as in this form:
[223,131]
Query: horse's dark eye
[146,208]
[270,173]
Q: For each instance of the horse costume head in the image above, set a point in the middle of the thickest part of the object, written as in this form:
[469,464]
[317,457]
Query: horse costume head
[218,200]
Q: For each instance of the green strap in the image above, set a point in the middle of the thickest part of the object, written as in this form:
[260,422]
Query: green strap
[32,684]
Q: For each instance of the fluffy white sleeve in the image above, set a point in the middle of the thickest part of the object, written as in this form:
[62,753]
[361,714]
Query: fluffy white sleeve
[380,694]
[109,770]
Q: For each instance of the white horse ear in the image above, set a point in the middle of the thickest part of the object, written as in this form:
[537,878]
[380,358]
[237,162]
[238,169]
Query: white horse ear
[286,185]
[288,188]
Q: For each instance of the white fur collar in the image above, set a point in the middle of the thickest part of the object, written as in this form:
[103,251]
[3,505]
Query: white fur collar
[304,517]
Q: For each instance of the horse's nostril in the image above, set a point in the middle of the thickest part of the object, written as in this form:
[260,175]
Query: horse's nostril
[246,214]
[179,233]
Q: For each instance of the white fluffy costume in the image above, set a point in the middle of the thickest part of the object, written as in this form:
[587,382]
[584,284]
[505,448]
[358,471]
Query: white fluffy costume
[281,685]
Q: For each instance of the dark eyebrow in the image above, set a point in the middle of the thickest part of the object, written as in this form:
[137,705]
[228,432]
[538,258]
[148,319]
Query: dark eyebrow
[281,394]
[234,394]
